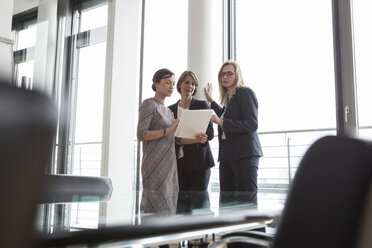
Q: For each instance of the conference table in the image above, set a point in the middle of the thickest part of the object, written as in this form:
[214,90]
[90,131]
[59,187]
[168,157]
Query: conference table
[152,218]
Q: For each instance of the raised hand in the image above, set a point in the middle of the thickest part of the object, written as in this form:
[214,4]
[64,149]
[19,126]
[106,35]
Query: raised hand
[209,92]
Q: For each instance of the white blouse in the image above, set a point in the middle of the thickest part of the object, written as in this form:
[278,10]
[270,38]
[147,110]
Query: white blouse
[179,113]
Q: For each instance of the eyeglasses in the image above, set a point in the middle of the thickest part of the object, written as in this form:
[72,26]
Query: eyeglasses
[228,74]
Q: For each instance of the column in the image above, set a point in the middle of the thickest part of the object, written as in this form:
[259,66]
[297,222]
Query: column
[347,108]
[199,56]
[122,77]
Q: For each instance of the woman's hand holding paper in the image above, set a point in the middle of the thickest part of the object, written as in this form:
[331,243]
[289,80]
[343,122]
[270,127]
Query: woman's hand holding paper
[174,125]
[201,137]
[216,119]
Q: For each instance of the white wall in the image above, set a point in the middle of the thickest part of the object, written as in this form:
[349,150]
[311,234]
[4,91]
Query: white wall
[122,78]
[23,5]
[6,12]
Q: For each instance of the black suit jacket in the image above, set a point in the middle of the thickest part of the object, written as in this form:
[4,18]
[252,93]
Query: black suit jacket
[196,155]
[240,126]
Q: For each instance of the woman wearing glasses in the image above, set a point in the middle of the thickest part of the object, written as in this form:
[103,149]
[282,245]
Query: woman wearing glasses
[156,127]
[239,146]
[194,156]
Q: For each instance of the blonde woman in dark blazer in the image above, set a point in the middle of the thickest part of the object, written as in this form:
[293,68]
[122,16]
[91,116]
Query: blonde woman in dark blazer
[237,120]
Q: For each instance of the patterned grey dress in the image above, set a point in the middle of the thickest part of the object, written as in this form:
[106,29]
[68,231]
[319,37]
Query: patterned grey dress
[159,165]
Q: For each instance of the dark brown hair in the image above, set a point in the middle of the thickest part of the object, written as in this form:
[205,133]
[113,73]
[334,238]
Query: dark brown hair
[159,75]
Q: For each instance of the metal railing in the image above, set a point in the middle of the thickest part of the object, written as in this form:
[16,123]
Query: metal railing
[282,150]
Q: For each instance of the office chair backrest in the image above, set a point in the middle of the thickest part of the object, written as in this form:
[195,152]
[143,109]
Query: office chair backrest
[326,200]
[364,237]
[27,127]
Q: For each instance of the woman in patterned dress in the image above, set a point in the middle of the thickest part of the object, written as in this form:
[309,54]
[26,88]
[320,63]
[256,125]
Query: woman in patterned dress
[156,127]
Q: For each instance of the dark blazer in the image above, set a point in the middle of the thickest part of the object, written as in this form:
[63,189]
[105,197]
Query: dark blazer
[196,155]
[240,126]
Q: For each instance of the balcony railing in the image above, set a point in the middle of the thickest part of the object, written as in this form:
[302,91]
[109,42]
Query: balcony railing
[283,150]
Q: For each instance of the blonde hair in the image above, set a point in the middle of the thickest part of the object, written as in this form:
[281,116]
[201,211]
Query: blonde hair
[224,95]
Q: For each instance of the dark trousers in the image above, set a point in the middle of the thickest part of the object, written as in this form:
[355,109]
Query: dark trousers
[240,175]
[192,179]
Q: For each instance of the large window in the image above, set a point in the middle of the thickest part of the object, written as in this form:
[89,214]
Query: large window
[82,90]
[165,41]
[80,73]
[87,134]
[285,50]
[24,33]
[363,59]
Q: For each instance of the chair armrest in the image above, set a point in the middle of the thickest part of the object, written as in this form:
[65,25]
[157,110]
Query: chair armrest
[250,237]
[70,188]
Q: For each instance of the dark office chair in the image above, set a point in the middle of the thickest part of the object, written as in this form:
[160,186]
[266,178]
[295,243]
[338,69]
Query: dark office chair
[327,203]
[27,128]
[70,188]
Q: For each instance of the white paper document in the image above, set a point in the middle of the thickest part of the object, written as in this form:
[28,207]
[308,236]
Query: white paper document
[193,122]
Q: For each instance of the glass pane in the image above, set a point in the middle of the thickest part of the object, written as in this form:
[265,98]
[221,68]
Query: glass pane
[93,18]
[25,73]
[217,46]
[165,44]
[363,59]
[26,38]
[217,61]
[89,110]
[285,50]
[83,216]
